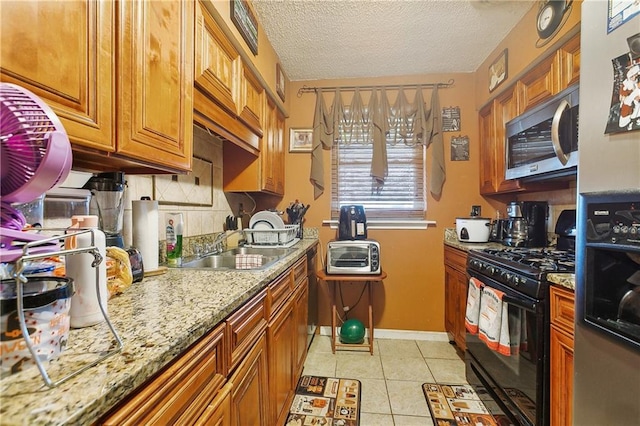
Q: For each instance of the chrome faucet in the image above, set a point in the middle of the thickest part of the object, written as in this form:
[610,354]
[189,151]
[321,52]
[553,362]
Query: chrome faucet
[220,242]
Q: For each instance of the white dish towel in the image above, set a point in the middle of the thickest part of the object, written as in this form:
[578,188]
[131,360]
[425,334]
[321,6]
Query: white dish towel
[472,313]
[491,313]
[248,261]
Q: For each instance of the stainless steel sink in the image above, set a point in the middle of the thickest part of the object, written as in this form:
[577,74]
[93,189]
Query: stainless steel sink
[227,260]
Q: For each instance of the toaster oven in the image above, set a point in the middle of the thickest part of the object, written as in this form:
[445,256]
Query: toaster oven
[353,257]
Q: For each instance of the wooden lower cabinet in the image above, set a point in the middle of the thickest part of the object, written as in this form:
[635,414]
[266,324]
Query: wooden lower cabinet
[181,392]
[218,413]
[250,394]
[455,290]
[561,354]
[301,312]
[244,372]
[280,334]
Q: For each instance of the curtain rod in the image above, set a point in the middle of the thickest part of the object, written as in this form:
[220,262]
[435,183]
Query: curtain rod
[307,89]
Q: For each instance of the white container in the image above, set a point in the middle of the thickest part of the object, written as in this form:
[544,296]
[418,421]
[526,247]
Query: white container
[85,307]
[473,229]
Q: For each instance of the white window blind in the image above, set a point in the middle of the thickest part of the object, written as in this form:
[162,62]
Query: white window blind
[403,193]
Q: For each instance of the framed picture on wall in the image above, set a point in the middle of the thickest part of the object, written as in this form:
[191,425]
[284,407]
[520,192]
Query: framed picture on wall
[246,22]
[498,71]
[300,140]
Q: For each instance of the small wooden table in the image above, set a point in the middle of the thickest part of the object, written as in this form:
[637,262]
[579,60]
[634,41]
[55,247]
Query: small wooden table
[367,280]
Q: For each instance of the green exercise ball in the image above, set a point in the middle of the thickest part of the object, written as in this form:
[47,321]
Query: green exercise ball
[352,331]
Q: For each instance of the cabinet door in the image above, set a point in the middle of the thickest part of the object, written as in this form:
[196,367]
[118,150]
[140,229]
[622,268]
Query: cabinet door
[301,311]
[506,108]
[461,284]
[570,62]
[487,151]
[280,334]
[155,82]
[182,390]
[218,413]
[251,100]
[244,327]
[250,394]
[217,63]
[540,83]
[63,52]
[561,354]
[450,302]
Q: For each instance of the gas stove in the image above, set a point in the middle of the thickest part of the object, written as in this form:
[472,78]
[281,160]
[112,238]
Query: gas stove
[522,269]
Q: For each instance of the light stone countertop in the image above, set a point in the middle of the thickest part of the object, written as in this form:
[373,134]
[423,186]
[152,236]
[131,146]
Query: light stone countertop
[157,319]
[565,280]
[451,239]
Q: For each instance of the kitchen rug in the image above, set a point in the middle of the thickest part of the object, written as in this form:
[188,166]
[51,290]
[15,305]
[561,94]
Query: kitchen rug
[456,405]
[326,401]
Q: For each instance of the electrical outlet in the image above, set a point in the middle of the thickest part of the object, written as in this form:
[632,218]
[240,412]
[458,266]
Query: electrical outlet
[346,308]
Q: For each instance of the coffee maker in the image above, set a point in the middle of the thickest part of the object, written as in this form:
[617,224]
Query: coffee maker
[526,224]
[107,202]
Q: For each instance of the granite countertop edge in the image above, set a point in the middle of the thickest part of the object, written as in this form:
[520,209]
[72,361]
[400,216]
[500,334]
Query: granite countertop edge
[157,319]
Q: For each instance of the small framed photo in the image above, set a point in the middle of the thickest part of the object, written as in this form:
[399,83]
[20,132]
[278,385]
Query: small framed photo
[300,140]
[280,81]
[498,71]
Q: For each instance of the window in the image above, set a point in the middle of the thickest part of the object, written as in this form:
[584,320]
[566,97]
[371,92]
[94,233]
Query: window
[403,193]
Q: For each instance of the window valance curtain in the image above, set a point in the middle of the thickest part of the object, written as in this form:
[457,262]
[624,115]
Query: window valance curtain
[380,123]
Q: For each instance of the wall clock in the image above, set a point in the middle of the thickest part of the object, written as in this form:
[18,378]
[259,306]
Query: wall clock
[551,17]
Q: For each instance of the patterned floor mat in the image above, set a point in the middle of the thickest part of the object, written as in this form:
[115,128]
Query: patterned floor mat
[454,405]
[326,401]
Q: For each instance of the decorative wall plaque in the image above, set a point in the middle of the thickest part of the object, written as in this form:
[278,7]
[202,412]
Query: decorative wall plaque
[451,119]
[460,148]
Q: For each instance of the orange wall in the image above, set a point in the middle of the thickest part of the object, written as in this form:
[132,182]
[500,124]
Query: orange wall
[522,51]
[412,297]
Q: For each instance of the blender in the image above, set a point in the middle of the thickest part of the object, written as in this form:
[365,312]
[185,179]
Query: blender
[107,202]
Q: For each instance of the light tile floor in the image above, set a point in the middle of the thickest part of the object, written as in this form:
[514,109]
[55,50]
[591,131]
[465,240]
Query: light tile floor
[391,378]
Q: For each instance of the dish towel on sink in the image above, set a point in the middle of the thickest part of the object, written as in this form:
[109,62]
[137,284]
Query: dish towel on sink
[491,313]
[472,314]
[248,261]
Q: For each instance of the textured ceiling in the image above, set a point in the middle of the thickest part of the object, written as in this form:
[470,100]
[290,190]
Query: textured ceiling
[326,39]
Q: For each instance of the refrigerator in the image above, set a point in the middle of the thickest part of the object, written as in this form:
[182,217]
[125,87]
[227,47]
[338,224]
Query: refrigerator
[606,372]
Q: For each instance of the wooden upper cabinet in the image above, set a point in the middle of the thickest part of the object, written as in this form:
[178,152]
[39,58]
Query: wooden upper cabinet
[506,108]
[217,63]
[487,150]
[569,60]
[63,52]
[251,100]
[155,82]
[540,83]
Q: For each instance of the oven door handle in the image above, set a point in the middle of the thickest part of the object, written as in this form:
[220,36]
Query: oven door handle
[521,302]
[525,304]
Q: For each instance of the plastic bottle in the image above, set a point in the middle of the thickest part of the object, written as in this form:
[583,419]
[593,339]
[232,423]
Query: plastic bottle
[174,239]
[85,307]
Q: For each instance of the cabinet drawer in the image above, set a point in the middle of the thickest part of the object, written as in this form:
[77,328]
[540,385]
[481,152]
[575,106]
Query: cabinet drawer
[244,327]
[300,270]
[455,258]
[183,389]
[278,292]
[562,308]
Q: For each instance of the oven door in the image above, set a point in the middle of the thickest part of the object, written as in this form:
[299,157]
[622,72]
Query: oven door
[517,382]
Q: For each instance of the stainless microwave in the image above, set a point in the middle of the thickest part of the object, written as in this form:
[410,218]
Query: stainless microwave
[543,142]
[353,257]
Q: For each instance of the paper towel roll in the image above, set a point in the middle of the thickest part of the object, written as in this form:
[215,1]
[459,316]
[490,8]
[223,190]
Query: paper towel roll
[145,231]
